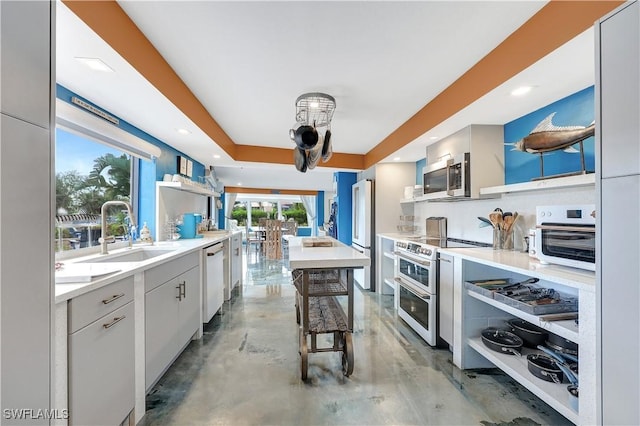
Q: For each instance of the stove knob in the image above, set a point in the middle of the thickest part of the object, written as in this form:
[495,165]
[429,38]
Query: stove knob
[428,252]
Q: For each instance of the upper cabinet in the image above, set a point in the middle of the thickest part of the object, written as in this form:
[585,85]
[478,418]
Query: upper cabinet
[26,61]
[619,43]
[462,163]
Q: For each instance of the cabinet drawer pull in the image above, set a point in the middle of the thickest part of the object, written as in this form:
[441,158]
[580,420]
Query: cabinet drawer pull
[112,298]
[179,296]
[114,322]
[444,260]
[183,284]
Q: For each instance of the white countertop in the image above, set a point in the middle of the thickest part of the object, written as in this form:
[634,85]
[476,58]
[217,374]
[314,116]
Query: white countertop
[338,256]
[398,236]
[522,263]
[66,291]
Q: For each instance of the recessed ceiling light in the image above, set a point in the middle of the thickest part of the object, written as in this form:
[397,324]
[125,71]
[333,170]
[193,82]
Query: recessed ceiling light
[523,90]
[239,183]
[216,156]
[396,159]
[95,64]
[433,138]
[183,131]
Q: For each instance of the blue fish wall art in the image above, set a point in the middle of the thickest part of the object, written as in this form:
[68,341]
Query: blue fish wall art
[553,132]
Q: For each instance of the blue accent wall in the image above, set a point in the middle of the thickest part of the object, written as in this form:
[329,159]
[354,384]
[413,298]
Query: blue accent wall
[150,171]
[420,164]
[320,208]
[344,181]
[574,110]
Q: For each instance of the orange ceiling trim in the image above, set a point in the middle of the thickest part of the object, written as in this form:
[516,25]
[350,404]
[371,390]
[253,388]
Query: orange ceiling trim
[262,154]
[243,190]
[115,27]
[555,24]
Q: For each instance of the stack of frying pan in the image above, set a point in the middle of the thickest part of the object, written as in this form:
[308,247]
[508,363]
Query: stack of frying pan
[310,146]
[558,363]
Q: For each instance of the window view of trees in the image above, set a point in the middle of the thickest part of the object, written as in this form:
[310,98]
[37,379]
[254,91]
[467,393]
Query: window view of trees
[87,175]
[295,211]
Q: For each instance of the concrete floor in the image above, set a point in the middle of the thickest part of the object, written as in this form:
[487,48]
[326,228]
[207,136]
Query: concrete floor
[246,371]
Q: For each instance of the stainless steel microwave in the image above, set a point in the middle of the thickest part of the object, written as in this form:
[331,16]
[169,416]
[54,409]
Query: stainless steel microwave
[566,235]
[448,178]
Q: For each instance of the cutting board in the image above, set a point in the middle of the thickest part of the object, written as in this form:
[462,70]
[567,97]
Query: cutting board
[317,242]
[84,272]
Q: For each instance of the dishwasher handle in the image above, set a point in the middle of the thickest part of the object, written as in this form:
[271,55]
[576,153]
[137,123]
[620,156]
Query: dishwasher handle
[214,249]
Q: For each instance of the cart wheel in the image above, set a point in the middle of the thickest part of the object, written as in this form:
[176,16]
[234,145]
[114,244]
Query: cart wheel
[304,359]
[347,354]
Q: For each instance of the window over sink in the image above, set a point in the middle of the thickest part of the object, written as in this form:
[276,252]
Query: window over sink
[88,173]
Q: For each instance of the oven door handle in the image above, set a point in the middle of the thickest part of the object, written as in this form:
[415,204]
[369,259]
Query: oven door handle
[412,259]
[566,228]
[413,289]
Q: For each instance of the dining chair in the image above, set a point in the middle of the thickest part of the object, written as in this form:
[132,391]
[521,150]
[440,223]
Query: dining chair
[273,241]
[252,237]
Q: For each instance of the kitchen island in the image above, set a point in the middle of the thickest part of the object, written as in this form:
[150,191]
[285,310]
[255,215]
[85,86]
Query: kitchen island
[322,271]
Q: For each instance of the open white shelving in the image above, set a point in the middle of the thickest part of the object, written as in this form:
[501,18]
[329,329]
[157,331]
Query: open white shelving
[194,189]
[556,395]
[552,183]
[567,329]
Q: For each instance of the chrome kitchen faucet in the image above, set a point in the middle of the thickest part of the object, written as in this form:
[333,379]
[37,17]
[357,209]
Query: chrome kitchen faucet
[108,239]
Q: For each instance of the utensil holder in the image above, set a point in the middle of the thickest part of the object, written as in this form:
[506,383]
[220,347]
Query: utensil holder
[498,238]
[502,239]
[508,240]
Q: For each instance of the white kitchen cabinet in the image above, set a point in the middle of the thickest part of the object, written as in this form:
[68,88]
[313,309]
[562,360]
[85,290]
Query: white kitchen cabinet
[619,299]
[619,92]
[618,239]
[445,297]
[27,259]
[26,61]
[172,313]
[101,355]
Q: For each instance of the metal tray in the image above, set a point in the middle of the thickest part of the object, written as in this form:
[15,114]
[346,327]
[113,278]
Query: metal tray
[566,303]
[484,287]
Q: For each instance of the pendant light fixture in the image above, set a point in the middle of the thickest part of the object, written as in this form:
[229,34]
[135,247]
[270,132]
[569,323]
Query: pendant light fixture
[313,110]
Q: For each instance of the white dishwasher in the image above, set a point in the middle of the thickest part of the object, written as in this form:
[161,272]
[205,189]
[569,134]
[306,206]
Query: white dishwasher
[213,289]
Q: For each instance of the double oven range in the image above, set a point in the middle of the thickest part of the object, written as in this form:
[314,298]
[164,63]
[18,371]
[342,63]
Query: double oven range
[417,283]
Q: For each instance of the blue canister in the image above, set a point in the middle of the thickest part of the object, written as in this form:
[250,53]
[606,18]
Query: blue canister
[188,227]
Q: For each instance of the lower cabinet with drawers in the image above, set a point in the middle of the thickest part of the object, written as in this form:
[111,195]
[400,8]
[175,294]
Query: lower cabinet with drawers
[101,355]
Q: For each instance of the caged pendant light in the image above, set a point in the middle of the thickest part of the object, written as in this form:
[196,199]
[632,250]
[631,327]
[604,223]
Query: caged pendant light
[313,110]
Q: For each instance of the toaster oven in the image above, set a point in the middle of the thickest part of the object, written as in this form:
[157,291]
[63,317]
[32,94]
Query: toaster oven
[566,235]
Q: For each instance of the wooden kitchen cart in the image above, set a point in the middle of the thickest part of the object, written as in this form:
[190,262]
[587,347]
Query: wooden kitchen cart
[318,311]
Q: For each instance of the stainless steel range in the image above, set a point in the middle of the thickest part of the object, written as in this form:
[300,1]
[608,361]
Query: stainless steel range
[416,287]
[417,282]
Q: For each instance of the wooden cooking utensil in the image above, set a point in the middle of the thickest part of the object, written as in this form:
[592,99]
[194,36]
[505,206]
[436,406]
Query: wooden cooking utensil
[496,219]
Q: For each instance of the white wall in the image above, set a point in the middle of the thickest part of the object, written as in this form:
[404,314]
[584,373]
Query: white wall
[389,182]
[462,216]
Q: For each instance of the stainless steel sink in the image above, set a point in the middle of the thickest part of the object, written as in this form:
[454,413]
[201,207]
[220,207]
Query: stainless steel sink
[133,255]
